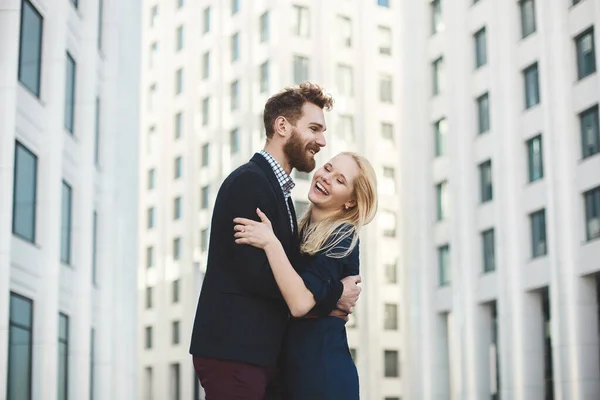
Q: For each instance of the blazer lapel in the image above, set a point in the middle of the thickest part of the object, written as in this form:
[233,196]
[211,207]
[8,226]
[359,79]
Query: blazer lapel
[264,165]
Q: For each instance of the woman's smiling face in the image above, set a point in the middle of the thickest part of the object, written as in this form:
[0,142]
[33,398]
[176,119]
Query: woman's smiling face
[332,186]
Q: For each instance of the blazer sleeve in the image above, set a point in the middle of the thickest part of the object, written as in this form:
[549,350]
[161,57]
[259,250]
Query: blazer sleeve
[248,192]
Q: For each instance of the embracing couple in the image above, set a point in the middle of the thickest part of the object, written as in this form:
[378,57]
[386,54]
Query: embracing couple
[270,322]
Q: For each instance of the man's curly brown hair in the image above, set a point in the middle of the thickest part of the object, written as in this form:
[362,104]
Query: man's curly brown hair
[288,103]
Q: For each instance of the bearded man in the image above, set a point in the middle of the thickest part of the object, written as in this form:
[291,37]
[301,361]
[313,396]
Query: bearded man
[241,316]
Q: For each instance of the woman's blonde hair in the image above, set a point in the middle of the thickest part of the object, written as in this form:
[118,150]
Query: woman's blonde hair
[326,235]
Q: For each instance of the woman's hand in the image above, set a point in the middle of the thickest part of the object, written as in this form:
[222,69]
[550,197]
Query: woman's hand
[257,234]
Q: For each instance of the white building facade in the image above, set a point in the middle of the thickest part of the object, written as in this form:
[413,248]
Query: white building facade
[502,241]
[68,238]
[208,69]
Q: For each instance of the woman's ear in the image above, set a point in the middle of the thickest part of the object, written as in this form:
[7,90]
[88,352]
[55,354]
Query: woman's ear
[349,204]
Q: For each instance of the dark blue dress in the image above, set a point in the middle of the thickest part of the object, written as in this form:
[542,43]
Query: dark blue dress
[317,364]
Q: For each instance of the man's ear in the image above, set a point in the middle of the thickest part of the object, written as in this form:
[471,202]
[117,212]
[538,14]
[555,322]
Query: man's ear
[281,126]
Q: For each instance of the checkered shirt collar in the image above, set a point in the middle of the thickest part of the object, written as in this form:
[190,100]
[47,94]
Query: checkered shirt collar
[285,181]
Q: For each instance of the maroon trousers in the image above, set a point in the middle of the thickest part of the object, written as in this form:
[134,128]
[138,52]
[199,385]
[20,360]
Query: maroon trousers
[232,380]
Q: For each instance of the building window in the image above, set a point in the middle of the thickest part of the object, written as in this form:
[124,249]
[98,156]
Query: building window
[389,180]
[264,77]
[590,132]
[538,233]
[385,40]
[388,223]
[535,158]
[385,89]
[66,223]
[175,333]
[300,207]
[24,193]
[391,364]
[178,124]
[204,156]
[153,15]
[586,54]
[345,80]
[30,48]
[148,390]
[303,176]
[150,215]
[205,110]
[151,178]
[532,86]
[179,81]
[178,167]
[592,213]
[440,129]
[180,3]
[177,208]
[149,257]
[488,246]
[353,354]
[70,94]
[387,131]
[153,54]
[175,383]
[177,249]
[204,240]
[485,181]
[345,29]
[346,128]
[441,199]
[94,247]
[97,133]
[152,97]
[302,22]
[437,24]
[234,92]
[176,288]
[206,20]
[438,76]
[204,197]
[300,69]
[148,297]
[20,348]
[234,141]
[148,337]
[235,46]
[527,17]
[483,113]
[391,272]
[480,48]
[179,38]
[383,3]
[390,319]
[444,265]
[206,65]
[264,27]
[92,364]
[235,6]
[63,356]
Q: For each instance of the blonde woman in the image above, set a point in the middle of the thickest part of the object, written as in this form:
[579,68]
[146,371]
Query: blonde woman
[316,361]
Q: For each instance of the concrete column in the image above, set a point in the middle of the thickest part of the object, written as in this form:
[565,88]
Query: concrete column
[9,52]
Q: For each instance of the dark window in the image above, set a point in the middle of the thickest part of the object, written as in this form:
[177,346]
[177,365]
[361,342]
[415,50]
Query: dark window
[63,357]
[444,265]
[264,27]
[590,132]
[177,208]
[488,247]
[391,364]
[527,17]
[485,179]
[66,223]
[24,193]
[149,291]
[235,46]
[390,318]
[480,47]
[178,124]
[70,94]
[95,248]
[532,86]
[535,158]
[97,133]
[440,128]
[30,48]
[20,348]
[176,289]
[148,337]
[483,113]
[438,71]
[586,54]
[175,333]
[205,153]
[437,25]
[441,199]
[176,248]
[206,18]
[592,213]
[204,197]
[538,233]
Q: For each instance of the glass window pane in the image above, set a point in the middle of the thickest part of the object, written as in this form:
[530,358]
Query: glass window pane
[30,51]
[66,213]
[19,364]
[70,94]
[25,193]
[21,311]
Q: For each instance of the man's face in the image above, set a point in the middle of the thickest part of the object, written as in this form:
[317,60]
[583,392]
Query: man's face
[306,139]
